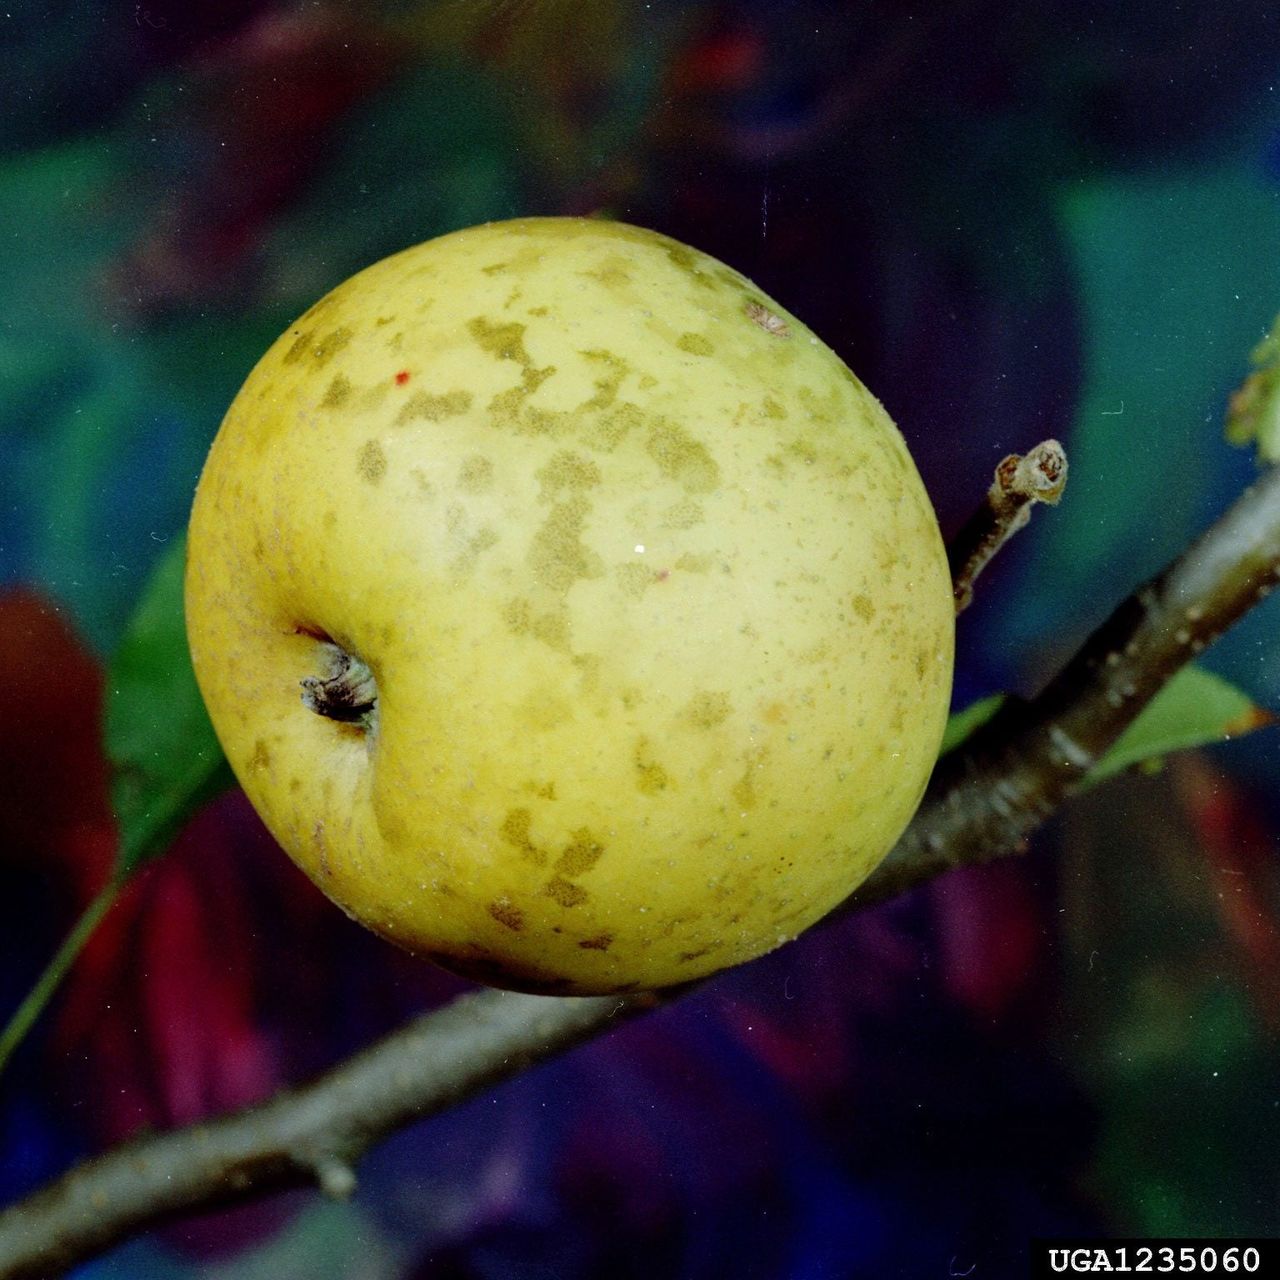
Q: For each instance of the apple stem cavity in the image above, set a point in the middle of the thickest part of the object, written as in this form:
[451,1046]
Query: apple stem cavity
[348,694]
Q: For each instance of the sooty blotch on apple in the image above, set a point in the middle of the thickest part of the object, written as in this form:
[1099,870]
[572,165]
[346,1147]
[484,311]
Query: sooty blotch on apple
[565,892]
[609,384]
[651,777]
[371,462]
[674,406]
[580,855]
[506,914]
[433,408]
[708,710]
[515,830]
[322,350]
[636,579]
[695,344]
[679,457]
[338,394]
[557,555]
[476,474]
[504,341]
[566,470]
[685,258]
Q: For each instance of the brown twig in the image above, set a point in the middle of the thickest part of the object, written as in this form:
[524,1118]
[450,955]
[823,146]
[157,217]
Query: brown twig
[1020,482]
[984,800]
[1020,766]
[305,1137]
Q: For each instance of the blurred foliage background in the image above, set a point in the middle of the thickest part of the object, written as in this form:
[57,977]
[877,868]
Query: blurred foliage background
[1013,221]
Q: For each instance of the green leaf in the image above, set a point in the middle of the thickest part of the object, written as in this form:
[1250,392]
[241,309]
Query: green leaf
[973,717]
[1254,411]
[1194,709]
[165,759]
[159,740]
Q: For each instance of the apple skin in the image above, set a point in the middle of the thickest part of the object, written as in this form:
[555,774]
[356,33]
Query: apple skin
[655,602]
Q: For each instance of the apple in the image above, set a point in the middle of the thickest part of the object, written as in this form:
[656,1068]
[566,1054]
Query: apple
[569,612]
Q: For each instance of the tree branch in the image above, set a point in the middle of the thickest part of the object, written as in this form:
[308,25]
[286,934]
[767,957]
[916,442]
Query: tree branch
[984,800]
[1020,766]
[308,1136]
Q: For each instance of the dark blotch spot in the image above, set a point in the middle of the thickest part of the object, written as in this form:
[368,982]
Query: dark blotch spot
[612,273]
[322,351]
[515,831]
[707,710]
[566,470]
[685,514]
[744,790]
[863,606]
[557,555]
[565,892]
[804,451]
[580,855]
[651,777]
[504,341]
[609,382]
[635,579]
[690,563]
[602,942]
[338,394]
[433,408]
[682,458]
[695,344]
[505,914]
[295,352]
[330,345]
[310,314]
[550,626]
[688,261]
[476,475]
[371,462]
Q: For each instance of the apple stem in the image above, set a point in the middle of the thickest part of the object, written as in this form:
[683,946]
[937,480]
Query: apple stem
[348,694]
[1020,482]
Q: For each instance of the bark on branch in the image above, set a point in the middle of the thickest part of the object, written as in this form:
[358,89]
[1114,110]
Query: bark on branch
[983,801]
[1023,763]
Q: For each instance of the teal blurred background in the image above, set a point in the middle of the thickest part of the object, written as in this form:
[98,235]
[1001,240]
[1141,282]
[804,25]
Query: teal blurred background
[1013,222]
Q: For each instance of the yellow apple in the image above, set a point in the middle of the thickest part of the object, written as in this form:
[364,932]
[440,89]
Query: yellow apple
[570,613]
